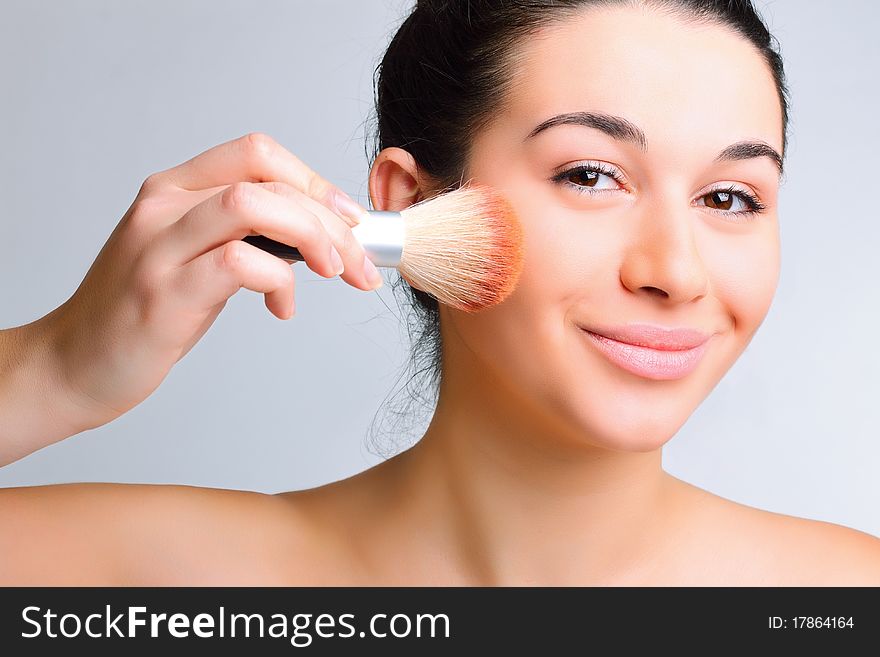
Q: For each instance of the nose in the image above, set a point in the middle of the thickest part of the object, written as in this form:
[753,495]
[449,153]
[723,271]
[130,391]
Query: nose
[662,259]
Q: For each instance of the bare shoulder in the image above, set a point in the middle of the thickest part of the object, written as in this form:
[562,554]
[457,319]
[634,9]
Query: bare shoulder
[822,553]
[767,548]
[349,524]
[143,534]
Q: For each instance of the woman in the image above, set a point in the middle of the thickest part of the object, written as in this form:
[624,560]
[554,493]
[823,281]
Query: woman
[641,144]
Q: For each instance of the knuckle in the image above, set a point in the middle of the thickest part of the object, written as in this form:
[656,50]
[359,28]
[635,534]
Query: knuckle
[151,185]
[229,255]
[319,189]
[258,144]
[349,242]
[315,231]
[284,189]
[151,205]
[144,214]
[237,196]
[276,188]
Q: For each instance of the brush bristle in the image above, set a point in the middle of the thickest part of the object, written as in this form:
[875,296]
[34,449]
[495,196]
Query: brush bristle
[464,247]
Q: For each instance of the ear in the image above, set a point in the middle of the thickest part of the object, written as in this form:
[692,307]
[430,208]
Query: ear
[395,180]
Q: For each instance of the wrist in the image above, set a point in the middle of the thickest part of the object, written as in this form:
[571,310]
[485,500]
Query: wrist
[36,407]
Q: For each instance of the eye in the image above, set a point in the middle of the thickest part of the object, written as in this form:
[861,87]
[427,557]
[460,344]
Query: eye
[586,178]
[721,199]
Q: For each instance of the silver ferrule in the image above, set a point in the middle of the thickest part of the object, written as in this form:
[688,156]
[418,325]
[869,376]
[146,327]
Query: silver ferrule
[381,233]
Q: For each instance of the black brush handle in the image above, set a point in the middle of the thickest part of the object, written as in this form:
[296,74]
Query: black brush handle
[274,247]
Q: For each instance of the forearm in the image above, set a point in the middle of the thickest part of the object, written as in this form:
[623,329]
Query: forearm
[35,408]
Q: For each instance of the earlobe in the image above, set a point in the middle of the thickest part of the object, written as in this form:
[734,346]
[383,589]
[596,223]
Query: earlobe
[394,180]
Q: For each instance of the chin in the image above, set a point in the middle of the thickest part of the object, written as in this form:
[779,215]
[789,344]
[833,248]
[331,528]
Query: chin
[629,431]
[627,416]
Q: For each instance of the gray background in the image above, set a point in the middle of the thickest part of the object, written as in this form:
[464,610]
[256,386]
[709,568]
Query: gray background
[97,95]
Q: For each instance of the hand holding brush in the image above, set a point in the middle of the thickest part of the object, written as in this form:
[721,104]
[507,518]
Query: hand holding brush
[187,244]
[464,247]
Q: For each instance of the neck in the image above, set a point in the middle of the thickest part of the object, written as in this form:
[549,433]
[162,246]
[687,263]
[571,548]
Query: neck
[530,500]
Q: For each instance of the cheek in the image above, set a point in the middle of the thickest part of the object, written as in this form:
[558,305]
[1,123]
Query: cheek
[526,342]
[566,254]
[520,340]
[566,260]
[518,333]
[744,278]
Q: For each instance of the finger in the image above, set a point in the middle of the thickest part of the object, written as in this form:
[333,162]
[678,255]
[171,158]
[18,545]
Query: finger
[215,276]
[162,209]
[245,209]
[351,251]
[256,157]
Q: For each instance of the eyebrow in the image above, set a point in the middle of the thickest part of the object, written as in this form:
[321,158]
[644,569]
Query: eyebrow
[621,129]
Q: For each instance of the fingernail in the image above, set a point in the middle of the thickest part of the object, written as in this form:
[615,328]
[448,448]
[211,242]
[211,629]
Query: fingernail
[346,205]
[336,260]
[373,275]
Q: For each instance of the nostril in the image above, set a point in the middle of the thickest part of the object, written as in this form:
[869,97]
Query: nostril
[655,291]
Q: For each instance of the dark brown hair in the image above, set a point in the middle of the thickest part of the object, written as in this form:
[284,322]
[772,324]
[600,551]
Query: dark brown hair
[442,79]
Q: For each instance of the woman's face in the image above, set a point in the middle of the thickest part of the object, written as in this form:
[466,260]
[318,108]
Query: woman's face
[659,245]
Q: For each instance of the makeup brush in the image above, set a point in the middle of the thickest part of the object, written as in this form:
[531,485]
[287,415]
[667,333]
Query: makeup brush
[463,247]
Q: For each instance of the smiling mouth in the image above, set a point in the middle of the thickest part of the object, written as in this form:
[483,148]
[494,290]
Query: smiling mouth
[647,362]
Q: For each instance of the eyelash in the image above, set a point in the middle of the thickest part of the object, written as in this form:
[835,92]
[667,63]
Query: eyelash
[753,202]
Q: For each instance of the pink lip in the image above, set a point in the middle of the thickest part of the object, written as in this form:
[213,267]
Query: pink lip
[650,351]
